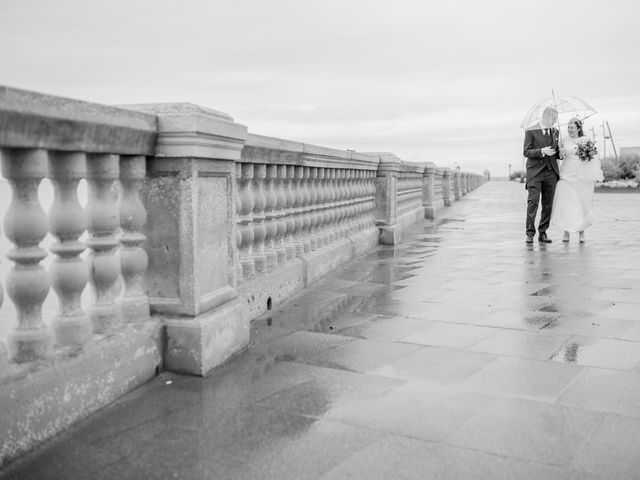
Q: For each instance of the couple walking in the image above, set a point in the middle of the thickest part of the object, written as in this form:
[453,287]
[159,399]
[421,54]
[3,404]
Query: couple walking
[566,192]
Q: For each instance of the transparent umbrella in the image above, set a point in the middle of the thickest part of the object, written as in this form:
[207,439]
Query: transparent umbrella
[566,106]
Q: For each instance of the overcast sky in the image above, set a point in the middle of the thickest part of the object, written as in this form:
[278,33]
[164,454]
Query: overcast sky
[442,81]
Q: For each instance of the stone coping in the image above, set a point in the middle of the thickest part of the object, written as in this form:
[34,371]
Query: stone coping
[35,120]
[272,150]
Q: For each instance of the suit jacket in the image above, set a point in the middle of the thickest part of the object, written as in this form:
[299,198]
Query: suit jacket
[534,142]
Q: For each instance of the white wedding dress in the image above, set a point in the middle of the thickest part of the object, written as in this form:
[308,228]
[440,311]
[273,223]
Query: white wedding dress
[572,209]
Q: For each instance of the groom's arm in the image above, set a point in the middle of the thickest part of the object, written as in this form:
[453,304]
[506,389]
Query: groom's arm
[528,150]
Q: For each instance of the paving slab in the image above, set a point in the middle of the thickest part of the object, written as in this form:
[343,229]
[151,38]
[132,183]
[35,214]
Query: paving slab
[461,353]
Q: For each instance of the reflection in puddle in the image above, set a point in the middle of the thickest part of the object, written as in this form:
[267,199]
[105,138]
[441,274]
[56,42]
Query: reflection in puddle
[571,352]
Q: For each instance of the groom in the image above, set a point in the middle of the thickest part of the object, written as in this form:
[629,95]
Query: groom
[541,150]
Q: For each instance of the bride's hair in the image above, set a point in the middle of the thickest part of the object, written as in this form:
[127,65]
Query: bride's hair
[578,123]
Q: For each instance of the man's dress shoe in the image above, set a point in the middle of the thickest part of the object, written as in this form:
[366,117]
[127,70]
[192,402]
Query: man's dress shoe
[544,239]
[529,239]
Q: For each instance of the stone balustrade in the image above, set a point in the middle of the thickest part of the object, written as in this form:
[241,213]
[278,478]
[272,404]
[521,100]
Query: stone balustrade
[302,210]
[191,227]
[98,245]
[68,141]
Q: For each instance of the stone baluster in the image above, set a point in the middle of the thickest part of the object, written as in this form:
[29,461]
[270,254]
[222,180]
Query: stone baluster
[4,356]
[358,218]
[312,207]
[69,273]
[102,172]
[134,260]
[340,210]
[298,211]
[320,206]
[290,213]
[349,211]
[259,229]
[330,211]
[362,210]
[27,282]
[245,219]
[238,205]
[371,195]
[344,224]
[280,208]
[323,232]
[270,216]
[306,208]
[355,201]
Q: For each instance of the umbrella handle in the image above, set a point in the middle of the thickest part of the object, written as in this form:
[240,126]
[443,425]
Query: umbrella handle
[555,105]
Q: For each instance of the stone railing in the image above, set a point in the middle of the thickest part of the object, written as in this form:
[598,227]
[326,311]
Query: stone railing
[191,228]
[301,211]
[66,141]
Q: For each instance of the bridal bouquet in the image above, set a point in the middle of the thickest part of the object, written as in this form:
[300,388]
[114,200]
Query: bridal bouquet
[586,150]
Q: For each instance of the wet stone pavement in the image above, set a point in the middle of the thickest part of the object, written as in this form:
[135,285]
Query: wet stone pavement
[461,353]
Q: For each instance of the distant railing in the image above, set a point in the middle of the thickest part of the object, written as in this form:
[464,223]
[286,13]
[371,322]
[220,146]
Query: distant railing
[290,202]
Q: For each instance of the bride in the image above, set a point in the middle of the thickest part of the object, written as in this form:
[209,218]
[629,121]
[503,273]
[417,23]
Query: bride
[572,203]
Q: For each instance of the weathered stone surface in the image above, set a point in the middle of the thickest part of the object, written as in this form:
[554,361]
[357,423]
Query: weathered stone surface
[198,345]
[35,120]
[188,130]
[44,402]
[190,235]
[277,286]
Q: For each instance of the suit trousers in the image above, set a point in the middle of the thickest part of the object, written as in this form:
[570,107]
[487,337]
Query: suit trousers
[542,186]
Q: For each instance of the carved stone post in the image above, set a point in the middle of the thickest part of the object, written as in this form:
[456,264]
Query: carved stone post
[387,200]
[69,273]
[306,208]
[102,172]
[446,186]
[457,184]
[25,224]
[190,195]
[319,208]
[259,228]
[313,207]
[244,215]
[280,215]
[4,356]
[428,191]
[270,212]
[298,209]
[290,213]
[133,216]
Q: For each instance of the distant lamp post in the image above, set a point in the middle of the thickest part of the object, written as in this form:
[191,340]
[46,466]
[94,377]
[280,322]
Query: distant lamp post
[509,171]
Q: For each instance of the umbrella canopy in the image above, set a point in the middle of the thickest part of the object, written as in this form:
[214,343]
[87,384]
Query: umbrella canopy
[567,107]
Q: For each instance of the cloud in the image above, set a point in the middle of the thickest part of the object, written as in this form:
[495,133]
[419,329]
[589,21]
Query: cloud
[439,80]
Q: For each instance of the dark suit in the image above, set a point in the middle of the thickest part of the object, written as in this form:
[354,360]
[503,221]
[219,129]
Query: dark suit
[542,176]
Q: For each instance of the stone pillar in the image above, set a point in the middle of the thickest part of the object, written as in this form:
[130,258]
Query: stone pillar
[428,191]
[387,200]
[457,185]
[190,196]
[446,187]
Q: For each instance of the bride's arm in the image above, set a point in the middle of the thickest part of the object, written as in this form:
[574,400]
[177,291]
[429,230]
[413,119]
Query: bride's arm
[561,148]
